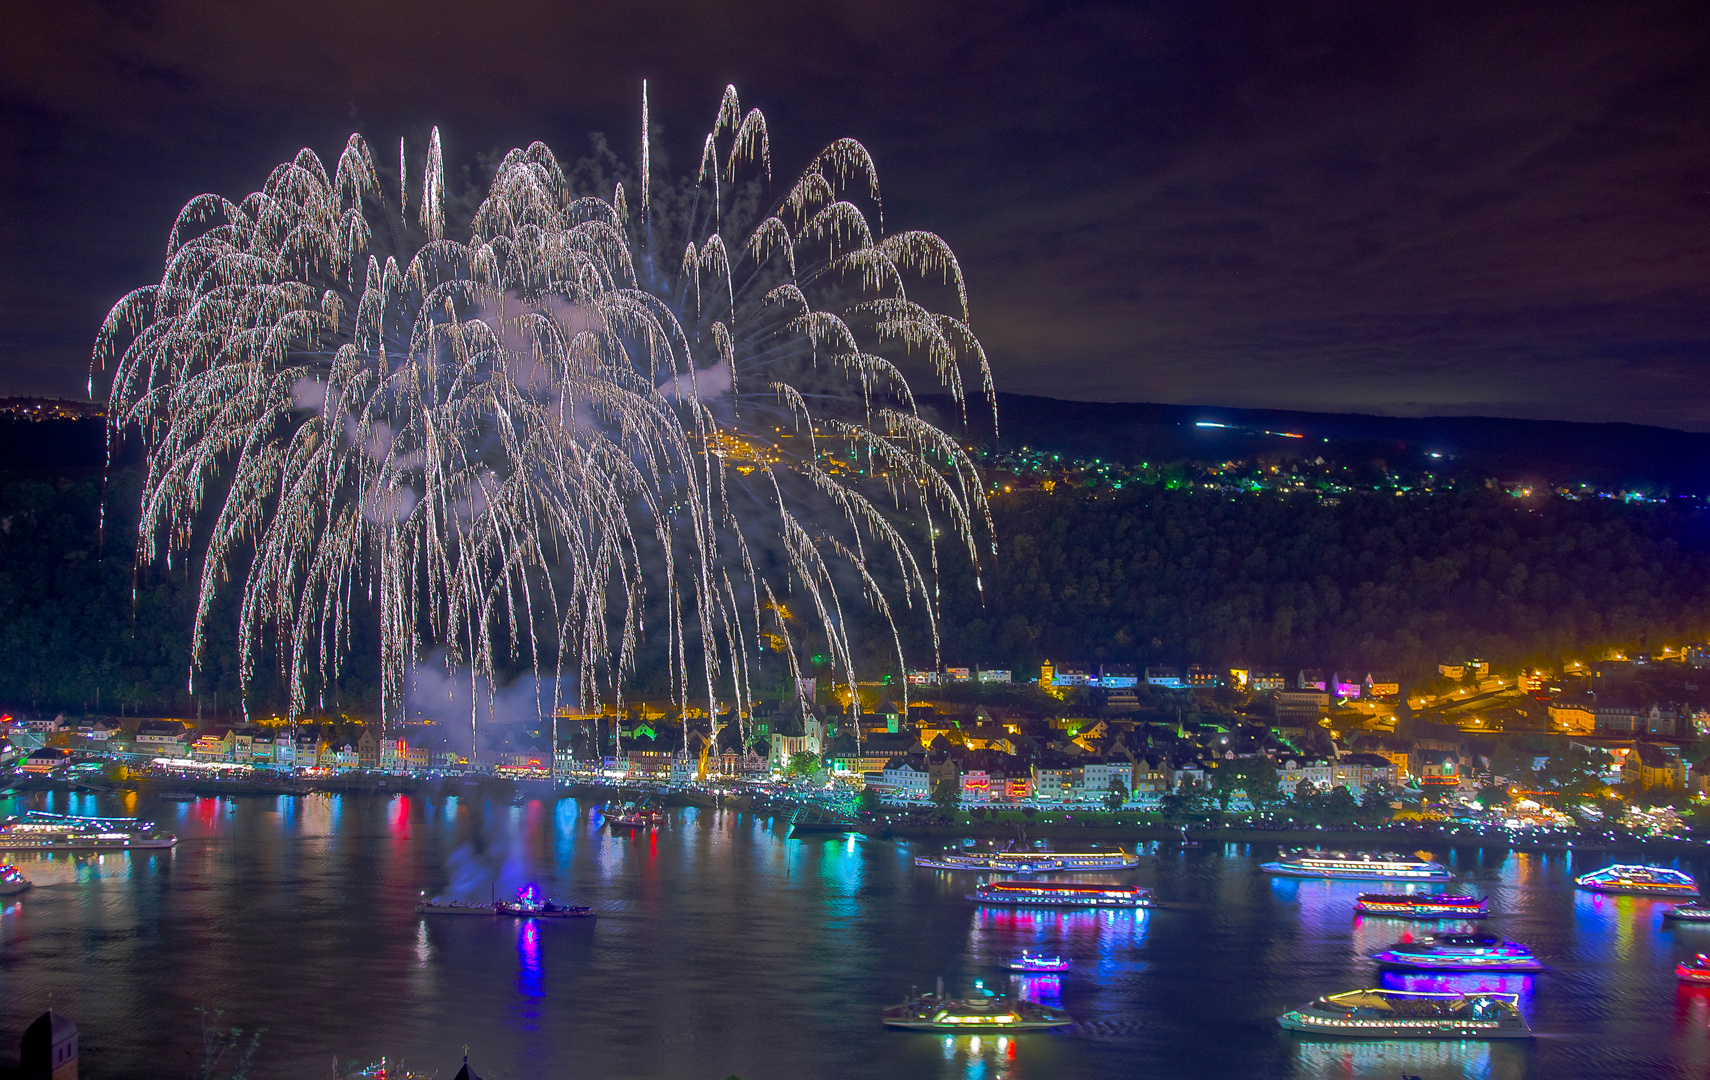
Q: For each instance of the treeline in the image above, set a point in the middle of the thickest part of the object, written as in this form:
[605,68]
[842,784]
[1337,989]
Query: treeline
[1145,576]
[1152,576]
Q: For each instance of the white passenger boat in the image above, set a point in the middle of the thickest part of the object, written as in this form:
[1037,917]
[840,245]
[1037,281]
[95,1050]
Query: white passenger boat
[1402,1014]
[39,830]
[1075,895]
[980,1011]
[1031,862]
[1356,866]
[1640,881]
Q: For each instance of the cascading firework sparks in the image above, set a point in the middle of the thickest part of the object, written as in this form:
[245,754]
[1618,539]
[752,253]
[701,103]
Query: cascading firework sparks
[582,426]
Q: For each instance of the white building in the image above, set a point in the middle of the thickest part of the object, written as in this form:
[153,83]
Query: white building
[904,779]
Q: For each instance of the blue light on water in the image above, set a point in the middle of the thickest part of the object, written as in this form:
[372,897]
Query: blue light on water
[529,980]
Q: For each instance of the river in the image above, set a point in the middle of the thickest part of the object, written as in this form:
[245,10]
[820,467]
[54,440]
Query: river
[722,949]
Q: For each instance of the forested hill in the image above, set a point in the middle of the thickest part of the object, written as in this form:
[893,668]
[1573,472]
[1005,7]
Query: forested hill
[1152,575]
[1560,452]
[1144,574]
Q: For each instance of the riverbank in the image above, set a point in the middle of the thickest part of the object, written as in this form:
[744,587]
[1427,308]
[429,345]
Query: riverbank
[1405,839]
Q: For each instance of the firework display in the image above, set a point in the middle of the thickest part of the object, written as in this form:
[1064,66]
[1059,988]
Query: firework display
[582,414]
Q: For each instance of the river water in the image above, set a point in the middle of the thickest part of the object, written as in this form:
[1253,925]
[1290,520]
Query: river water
[722,949]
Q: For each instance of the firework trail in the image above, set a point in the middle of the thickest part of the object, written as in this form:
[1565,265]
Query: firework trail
[612,415]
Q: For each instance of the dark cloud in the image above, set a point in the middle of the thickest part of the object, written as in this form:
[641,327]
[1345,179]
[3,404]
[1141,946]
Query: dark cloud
[1401,207]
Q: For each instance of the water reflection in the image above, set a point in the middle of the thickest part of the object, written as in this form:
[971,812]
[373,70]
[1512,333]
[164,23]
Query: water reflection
[1445,1059]
[975,1057]
[529,982]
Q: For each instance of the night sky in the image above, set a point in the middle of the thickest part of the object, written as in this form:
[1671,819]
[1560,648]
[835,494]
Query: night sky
[1409,208]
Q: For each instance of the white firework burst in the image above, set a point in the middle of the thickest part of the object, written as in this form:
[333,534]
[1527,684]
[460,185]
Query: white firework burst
[585,424]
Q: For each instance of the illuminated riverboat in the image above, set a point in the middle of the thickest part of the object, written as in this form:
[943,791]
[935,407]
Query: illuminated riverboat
[980,1011]
[1403,1014]
[527,905]
[1039,963]
[12,880]
[1032,862]
[1422,906]
[39,830]
[1640,881]
[1356,866]
[1697,972]
[1459,952]
[1061,894]
[1694,911]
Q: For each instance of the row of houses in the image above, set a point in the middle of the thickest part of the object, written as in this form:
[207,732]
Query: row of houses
[1346,685]
[995,778]
[1591,714]
[958,675]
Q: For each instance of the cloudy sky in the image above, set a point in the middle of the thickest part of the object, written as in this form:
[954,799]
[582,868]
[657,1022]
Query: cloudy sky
[1409,208]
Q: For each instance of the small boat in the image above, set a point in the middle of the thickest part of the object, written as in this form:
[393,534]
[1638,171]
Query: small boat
[1459,952]
[1692,911]
[1639,881]
[1403,1014]
[1422,905]
[633,816]
[1061,894]
[1356,866]
[177,796]
[1031,963]
[12,880]
[1697,972]
[1188,841]
[981,1010]
[527,905]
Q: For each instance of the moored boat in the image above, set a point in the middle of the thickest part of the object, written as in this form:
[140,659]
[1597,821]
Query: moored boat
[1061,894]
[1402,1014]
[1459,952]
[39,830]
[1356,866]
[1422,905]
[1693,911]
[1037,962]
[12,880]
[1696,972]
[981,1010]
[1639,881]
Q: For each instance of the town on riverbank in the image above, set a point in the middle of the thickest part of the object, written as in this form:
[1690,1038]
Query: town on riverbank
[1602,752]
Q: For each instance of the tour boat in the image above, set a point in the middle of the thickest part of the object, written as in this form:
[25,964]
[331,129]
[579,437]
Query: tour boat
[525,906]
[1422,905]
[980,1011]
[1032,862]
[1693,911]
[1639,880]
[1697,972]
[1356,866]
[1459,952]
[1040,963]
[39,830]
[1404,1014]
[12,880]
[1061,894]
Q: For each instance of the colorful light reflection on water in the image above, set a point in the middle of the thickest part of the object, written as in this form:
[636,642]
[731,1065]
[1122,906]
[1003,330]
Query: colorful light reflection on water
[722,948]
